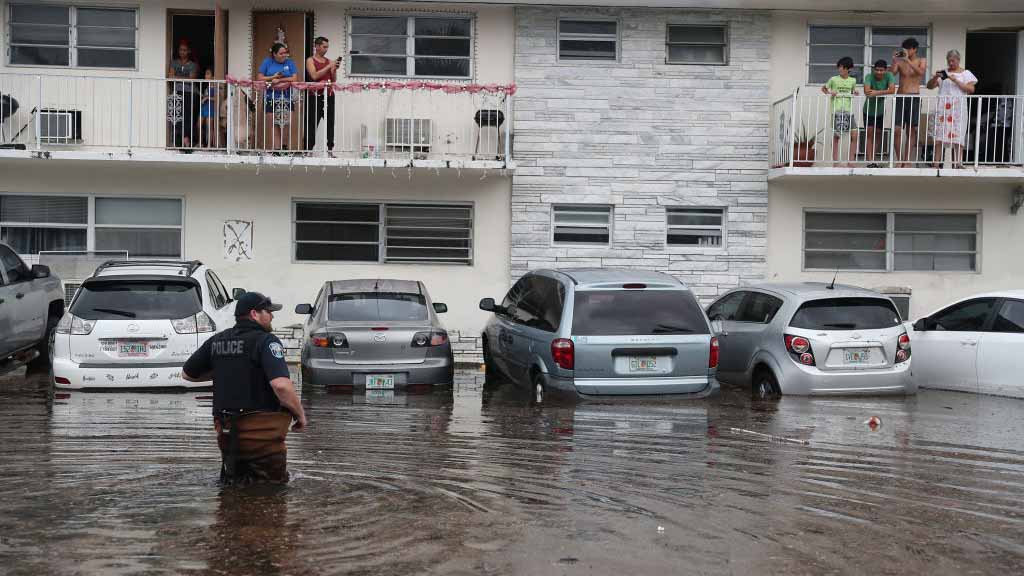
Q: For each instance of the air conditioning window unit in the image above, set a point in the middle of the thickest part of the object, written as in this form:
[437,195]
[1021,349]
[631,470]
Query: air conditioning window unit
[407,135]
[59,125]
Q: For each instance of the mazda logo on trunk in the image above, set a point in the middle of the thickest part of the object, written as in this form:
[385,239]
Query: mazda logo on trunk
[380,337]
[133,328]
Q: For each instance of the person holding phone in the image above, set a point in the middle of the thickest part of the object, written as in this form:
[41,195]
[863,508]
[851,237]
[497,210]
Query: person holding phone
[907,110]
[278,70]
[320,69]
[949,124]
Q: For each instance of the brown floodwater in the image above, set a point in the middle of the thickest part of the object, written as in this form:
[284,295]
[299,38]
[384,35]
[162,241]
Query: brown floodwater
[476,481]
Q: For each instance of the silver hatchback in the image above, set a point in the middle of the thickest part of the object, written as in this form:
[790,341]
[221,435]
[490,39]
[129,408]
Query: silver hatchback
[594,332]
[377,334]
[811,338]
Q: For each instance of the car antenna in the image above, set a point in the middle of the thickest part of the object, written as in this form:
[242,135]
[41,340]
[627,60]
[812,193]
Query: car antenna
[832,286]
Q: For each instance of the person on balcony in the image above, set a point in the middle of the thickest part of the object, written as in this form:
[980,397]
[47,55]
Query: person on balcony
[183,101]
[319,102]
[209,129]
[879,84]
[907,111]
[949,124]
[278,71]
[841,89]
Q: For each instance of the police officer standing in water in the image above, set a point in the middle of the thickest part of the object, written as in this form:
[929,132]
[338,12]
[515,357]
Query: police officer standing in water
[254,399]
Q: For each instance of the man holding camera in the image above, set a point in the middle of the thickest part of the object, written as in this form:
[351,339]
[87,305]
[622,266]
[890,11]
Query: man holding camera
[320,69]
[907,116]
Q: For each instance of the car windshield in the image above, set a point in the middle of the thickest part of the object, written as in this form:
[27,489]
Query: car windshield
[846,314]
[136,300]
[377,307]
[629,312]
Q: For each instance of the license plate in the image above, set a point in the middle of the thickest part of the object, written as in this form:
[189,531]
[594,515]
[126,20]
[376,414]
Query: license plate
[643,363]
[857,355]
[380,382]
[132,349]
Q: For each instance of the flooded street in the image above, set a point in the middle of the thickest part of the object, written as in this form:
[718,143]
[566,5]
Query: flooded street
[477,481]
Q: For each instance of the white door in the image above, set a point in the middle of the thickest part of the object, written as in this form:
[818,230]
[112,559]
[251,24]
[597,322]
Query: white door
[220,301]
[1000,351]
[946,357]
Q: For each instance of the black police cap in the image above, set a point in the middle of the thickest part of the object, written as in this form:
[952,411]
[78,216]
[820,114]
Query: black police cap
[254,301]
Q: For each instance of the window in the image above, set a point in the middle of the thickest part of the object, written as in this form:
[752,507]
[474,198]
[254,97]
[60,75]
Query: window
[114,299]
[697,44]
[759,308]
[636,312]
[432,46]
[75,36]
[865,44]
[890,241]
[218,297]
[14,269]
[410,233]
[588,40]
[144,227]
[846,314]
[695,226]
[515,293]
[581,224]
[1010,317]
[541,304]
[969,316]
[727,308]
[377,307]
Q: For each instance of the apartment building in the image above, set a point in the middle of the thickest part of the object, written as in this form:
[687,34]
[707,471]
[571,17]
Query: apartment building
[475,140]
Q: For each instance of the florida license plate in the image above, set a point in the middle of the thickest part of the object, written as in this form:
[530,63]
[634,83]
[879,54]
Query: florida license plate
[380,382]
[132,349]
[643,363]
[857,355]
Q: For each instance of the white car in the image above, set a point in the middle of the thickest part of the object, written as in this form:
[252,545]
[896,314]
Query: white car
[972,345]
[134,323]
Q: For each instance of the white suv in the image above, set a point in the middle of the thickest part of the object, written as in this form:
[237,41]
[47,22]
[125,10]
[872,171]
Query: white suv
[134,323]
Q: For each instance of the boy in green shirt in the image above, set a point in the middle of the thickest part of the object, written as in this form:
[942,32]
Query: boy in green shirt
[842,89]
[876,87]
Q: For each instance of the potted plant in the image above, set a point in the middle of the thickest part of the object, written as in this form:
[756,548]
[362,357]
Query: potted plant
[803,148]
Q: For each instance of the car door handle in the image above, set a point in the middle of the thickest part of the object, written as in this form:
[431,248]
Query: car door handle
[19,295]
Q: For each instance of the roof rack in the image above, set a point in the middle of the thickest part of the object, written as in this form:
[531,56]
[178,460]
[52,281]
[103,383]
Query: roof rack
[190,266]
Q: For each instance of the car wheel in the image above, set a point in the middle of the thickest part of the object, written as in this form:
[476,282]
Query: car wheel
[45,346]
[765,385]
[538,389]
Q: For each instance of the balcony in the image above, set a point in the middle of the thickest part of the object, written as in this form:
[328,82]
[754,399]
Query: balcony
[376,124]
[959,137]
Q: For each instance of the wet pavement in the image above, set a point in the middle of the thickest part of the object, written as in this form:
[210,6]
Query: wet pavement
[477,481]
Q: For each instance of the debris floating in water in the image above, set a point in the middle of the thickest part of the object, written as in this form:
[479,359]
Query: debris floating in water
[770,437]
[661,529]
[874,422]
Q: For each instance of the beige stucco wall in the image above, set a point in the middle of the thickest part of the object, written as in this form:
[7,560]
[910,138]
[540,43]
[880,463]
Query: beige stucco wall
[789,38]
[214,193]
[1001,234]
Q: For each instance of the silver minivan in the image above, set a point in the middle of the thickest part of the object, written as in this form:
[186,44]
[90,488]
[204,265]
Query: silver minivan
[812,339]
[596,332]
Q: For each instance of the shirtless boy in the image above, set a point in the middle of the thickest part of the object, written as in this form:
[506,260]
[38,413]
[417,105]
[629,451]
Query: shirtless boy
[911,71]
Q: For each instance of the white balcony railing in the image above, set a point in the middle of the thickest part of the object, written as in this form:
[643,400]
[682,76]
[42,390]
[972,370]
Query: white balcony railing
[393,121]
[925,131]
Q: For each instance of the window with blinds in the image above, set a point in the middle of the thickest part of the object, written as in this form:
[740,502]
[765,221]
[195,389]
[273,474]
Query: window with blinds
[581,225]
[697,44]
[702,227]
[588,40]
[73,36]
[428,233]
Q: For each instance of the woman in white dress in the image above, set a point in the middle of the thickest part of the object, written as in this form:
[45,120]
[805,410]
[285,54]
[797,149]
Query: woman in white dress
[949,121]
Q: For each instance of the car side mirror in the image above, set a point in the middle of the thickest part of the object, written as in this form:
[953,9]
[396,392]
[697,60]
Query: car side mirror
[237,293]
[487,305]
[440,308]
[304,309]
[40,271]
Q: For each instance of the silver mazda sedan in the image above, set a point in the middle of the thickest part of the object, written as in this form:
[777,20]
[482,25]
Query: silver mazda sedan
[377,334]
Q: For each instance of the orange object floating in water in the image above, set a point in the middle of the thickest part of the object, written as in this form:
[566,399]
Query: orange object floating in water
[874,422]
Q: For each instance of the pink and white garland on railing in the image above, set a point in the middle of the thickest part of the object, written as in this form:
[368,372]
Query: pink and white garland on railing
[354,87]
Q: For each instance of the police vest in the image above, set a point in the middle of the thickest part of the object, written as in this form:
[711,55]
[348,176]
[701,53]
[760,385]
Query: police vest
[239,382]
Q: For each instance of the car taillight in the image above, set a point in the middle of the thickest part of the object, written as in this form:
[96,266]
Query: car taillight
[64,326]
[425,339]
[204,323]
[328,340]
[194,324]
[903,354]
[563,353]
[713,356]
[800,348]
[81,326]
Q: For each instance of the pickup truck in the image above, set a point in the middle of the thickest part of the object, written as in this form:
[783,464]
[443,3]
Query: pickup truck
[31,306]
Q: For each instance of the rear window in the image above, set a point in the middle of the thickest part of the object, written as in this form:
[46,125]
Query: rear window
[377,307]
[628,312]
[846,314]
[149,300]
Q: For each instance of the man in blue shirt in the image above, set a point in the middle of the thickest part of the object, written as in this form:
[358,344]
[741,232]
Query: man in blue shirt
[278,70]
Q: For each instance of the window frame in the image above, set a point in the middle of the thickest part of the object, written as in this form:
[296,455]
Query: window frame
[890,240]
[382,237]
[985,326]
[73,45]
[741,295]
[778,301]
[555,208]
[723,227]
[588,37]
[410,44]
[726,44]
[90,226]
[866,48]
